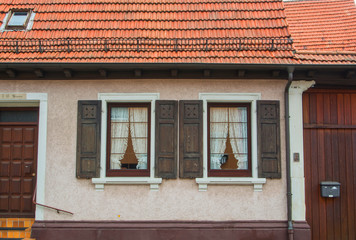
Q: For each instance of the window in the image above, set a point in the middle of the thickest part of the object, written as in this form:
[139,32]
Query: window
[128,148]
[121,171]
[229,144]
[246,105]
[18,19]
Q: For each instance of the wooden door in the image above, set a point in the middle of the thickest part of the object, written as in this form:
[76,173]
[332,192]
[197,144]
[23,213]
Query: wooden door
[330,155]
[18,158]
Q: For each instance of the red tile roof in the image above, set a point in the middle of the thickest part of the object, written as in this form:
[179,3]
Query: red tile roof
[323,31]
[141,31]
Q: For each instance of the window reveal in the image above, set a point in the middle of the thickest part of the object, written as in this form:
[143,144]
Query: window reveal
[229,140]
[129,139]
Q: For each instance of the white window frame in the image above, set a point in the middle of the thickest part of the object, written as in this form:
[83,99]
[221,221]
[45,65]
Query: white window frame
[126,97]
[231,98]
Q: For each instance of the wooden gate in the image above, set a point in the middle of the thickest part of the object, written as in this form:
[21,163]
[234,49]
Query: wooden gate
[18,158]
[330,155]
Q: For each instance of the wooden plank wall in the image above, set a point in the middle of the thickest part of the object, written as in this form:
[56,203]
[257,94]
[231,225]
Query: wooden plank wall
[330,155]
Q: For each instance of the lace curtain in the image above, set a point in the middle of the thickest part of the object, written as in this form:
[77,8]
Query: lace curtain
[138,128]
[218,135]
[238,135]
[124,119]
[230,121]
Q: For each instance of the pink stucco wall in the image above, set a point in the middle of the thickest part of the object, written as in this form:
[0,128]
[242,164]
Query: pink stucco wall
[176,199]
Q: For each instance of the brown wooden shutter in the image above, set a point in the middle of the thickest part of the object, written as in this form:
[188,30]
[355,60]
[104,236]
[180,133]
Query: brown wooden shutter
[191,139]
[269,149]
[88,139]
[166,138]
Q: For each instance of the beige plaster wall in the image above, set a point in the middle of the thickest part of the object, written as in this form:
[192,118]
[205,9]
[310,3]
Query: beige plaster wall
[176,199]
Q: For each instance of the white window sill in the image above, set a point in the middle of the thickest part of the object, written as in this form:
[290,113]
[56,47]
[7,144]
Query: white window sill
[256,182]
[153,182]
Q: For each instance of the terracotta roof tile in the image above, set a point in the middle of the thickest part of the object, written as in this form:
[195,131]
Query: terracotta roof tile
[78,21]
[323,31]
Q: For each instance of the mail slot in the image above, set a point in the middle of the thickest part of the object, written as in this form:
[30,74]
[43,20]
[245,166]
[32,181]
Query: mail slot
[330,189]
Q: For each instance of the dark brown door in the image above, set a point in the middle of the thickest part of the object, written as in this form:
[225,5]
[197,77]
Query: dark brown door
[18,155]
[330,155]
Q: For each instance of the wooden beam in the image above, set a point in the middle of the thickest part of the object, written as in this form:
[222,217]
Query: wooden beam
[103,72]
[67,73]
[311,73]
[241,73]
[39,73]
[174,73]
[10,72]
[138,72]
[276,73]
[350,74]
[206,73]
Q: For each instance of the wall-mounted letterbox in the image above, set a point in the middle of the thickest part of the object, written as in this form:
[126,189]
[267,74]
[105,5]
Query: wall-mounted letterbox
[330,189]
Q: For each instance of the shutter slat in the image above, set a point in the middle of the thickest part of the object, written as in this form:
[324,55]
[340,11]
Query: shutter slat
[269,150]
[166,138]
[190,139]
[88,139]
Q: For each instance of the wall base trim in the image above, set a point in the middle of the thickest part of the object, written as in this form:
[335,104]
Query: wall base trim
[174,230]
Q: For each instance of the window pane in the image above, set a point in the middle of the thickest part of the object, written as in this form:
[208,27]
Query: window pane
[119,130]
[139,129]
[18,19]
[242,161]
[217,145]
[129,136]
[18,116]
[239,145]
[216,160]
[119,114]
[138,114]
[238,130]
[229,138]
[218,130]
[238,114]
[218,114]
[139,145]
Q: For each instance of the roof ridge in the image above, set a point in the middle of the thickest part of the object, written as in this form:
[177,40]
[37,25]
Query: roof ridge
[159,20]
[160,11]
[320,52]
[131,2]
[150,38]
[160,29]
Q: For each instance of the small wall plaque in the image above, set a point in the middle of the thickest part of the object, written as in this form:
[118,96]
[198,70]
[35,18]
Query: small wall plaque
[12,95]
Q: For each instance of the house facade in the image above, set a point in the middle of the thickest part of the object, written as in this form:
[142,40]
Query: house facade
[323,34]
[161,119]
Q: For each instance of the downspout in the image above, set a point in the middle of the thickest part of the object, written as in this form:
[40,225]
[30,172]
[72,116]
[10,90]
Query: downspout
[289,188]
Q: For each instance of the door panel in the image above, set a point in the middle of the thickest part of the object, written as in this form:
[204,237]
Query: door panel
[330,155]
[18,162]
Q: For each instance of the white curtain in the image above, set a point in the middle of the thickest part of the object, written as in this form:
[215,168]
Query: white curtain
[218,135]
[138,128]
[238,135]
[119,135]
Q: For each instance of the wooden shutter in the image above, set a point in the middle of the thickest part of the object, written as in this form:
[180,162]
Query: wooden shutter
[269,149]
[191,139]
[88,139]
[166,139]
